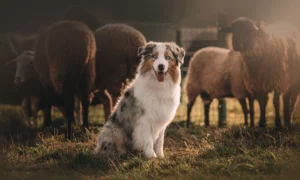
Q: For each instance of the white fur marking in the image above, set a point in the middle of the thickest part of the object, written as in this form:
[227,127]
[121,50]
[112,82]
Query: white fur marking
[161,49]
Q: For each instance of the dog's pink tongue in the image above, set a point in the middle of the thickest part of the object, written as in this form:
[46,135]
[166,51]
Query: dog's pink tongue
[160,76]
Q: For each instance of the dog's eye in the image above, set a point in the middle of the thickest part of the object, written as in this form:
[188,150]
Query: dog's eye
[154,57]
[168,57]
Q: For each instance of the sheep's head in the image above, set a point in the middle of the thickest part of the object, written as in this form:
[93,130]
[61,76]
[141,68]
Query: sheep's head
[244,34]
[25,69]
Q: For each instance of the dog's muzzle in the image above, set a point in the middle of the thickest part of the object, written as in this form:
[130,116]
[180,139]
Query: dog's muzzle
[160,75]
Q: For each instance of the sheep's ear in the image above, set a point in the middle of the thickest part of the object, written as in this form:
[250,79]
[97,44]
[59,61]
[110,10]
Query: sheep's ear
[31,53]
[259,27]
[12,43]
[10,62]
[256,27]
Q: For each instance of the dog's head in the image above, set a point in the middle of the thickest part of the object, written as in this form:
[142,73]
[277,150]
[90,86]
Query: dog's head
[161,59]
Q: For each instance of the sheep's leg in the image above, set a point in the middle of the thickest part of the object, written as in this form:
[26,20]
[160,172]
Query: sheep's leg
[262,100]
[206,113]
[78,112]
[293,102]
[251,109]
[47,116]
[245,110]
[289,103]
[85,110]
[106,99]
[26,106]
[190,104]
[48,106]
[69,109]
[276,103]
[35,109]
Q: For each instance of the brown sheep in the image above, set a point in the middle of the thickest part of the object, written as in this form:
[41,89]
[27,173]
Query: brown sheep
[11,46]
[65,62]
[117,60]
[271,56]
[30,89]
[216,73]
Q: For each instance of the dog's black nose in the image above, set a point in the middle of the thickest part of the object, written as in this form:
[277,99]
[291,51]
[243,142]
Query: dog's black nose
[161,67]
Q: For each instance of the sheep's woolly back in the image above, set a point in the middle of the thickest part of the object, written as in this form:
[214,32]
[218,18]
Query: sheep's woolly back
[217,72]
[117,49]
[70,50]
[271,64]
[40,59]
[266,65]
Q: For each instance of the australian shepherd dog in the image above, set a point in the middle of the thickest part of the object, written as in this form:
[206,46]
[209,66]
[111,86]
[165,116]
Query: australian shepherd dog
[148,104]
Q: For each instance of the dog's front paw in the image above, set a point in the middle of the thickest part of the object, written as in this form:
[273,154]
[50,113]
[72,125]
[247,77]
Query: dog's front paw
[160,154]
[150,154]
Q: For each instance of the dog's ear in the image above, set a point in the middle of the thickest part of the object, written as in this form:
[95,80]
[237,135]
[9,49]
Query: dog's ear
[141,50]
[177,52]
[146,50]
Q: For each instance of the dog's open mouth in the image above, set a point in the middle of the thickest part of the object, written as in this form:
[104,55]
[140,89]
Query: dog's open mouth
[160,75]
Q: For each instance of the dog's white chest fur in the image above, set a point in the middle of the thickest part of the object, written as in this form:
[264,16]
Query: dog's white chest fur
[160,100]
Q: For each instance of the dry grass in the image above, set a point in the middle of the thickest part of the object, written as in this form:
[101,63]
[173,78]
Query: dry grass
[234,152]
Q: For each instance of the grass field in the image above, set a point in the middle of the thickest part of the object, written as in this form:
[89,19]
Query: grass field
[233,152]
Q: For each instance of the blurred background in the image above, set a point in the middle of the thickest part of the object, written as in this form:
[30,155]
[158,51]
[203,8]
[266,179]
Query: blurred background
[28,16]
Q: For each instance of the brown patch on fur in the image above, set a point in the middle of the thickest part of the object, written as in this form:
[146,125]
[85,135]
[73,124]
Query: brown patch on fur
[173,66]
[146,66]
[174,71]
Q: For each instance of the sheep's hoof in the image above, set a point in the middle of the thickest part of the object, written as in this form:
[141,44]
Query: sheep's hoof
[222,125]
[288,127]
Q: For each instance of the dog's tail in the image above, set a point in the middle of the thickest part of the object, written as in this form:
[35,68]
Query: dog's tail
[111,141]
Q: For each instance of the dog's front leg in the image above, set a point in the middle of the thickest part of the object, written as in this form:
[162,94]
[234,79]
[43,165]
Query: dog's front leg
[143,139]
[159,144]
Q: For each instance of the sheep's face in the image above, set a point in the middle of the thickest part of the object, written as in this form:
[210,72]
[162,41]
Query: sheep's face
[244,32]
[25,69]
[161,59]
